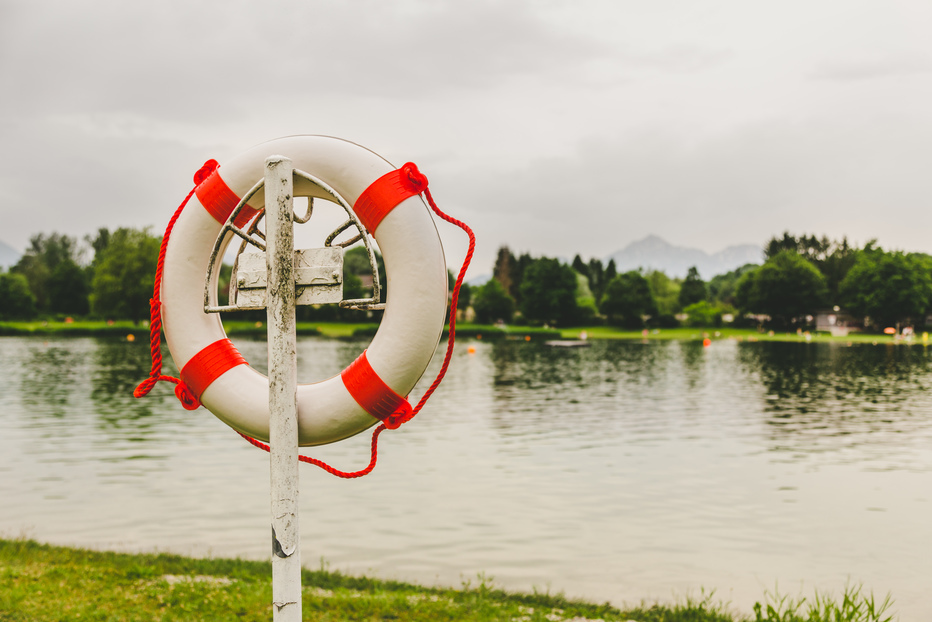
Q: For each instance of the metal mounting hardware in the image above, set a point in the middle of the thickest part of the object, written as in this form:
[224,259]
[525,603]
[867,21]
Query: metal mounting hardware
[318,276]
[253,236]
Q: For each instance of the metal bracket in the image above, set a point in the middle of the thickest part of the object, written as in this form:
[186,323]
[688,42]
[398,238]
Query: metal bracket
[254,236]
[318,278]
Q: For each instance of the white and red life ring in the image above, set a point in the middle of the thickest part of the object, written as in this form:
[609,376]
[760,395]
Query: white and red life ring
[387,201]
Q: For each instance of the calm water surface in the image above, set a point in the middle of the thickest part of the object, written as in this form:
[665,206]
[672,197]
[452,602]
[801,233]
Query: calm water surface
[620,472]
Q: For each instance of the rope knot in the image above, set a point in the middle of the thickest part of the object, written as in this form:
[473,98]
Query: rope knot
[145,386]
[417,181]
[205,171]
[186,396]
[404,414]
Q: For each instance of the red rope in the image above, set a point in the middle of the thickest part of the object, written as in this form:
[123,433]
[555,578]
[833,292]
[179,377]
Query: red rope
[453,301]
[189,400]
[451,338]
[187,397]
[373,456]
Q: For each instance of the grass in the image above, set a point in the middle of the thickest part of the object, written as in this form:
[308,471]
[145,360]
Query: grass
[74,328]
[123,328]
[853,607]
[344,330]
[40,582]
[739,334]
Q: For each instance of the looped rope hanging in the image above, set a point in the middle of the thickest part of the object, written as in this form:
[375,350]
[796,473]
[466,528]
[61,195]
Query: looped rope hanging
[395,421]
[405,413]
[182,391]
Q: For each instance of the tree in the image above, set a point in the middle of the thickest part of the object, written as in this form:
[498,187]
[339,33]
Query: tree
[890,288]
[125,275]
[693,289]
[832,258]
[666,292]
[465,298]
[517,275]
[809,247]
[628,299]
[44,255]
[596,275]
[32,268]
[504,266]
[356,261]
[68,289]
[357,271]
[491,303]
[703,313]
[586,306]
[16,300]
[548,292]
[580,266]
[611,271]
[786,287]
[744,290]
[98,242]
[836,266]
[353,288]
[723,287]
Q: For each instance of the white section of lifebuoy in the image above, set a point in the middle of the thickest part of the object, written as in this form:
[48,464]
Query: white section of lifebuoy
[415,305]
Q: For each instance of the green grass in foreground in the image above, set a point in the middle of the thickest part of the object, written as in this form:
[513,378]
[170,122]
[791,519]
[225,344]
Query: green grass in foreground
[40,582]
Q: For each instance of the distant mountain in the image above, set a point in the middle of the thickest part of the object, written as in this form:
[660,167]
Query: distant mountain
[655,253]
[8,255]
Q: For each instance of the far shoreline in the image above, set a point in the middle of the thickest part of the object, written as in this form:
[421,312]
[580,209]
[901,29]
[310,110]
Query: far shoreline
[130,331]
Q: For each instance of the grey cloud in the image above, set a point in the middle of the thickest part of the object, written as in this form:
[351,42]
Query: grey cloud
[682,58]
[851,70]
[208,60]
[739,187]
[63,180]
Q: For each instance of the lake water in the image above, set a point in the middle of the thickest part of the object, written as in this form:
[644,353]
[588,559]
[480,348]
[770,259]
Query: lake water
[620,472]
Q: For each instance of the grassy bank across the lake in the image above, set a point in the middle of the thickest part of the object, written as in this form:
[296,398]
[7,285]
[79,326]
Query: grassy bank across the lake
[40,582]
[344,330]
[739,334]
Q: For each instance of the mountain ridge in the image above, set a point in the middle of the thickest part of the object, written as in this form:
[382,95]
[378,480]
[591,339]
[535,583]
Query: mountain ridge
[655,253]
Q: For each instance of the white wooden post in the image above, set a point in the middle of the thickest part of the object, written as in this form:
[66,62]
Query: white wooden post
[283,384]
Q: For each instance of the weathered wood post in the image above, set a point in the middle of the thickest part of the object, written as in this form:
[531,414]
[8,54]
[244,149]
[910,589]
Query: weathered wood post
[283,385]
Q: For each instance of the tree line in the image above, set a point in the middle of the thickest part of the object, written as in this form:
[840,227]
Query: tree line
[54,278]
[110,275]
[800,276]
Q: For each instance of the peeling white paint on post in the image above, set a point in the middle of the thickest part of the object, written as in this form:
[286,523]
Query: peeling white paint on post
[283,385]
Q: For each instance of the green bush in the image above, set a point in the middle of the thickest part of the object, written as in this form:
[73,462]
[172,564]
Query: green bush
[703,313]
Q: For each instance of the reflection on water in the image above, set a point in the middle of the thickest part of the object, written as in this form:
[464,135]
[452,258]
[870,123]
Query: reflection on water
[621,471]
[49,378]
[864,403]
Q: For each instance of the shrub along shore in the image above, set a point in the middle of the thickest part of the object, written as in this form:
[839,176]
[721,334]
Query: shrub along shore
[126,328]
[40,582]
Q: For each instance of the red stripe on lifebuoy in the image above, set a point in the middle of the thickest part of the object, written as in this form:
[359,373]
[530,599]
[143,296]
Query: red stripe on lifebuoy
[376,398]
[386,192]
[209,364]
[220,201]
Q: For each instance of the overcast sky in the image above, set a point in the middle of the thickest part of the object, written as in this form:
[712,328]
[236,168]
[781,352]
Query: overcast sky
[555,127]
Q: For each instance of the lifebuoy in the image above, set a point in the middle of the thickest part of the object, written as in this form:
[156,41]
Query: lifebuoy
[388,202]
